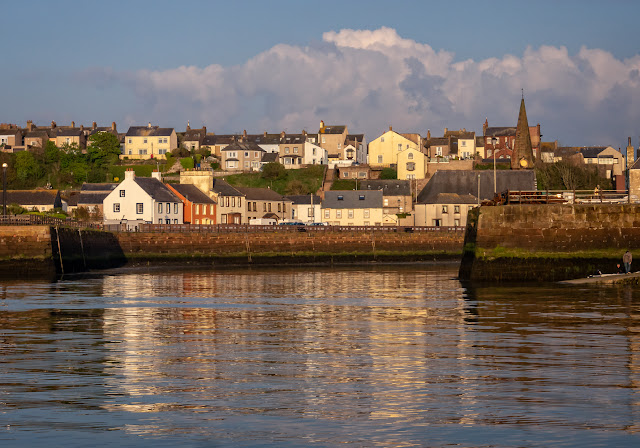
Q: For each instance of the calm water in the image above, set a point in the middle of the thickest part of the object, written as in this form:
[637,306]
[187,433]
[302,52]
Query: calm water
[388,356]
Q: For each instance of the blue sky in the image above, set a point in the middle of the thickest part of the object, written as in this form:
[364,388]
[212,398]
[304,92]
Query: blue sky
[284,65]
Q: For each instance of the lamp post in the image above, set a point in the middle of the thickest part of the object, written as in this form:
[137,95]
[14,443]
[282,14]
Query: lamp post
[493,143]
[4,190]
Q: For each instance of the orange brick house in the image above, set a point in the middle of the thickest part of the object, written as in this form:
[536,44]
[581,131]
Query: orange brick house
[198,207]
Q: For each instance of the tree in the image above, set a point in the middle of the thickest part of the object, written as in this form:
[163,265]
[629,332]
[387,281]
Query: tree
[388,173]
[273,171]
[27,168]
[103,149]
[296,187]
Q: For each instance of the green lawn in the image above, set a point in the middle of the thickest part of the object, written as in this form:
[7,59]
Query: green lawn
[303,181]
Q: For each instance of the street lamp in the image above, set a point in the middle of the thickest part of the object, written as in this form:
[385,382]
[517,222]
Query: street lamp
[493,143]
[4,189]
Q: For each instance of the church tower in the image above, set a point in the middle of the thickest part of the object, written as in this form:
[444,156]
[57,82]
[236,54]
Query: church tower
[522,157]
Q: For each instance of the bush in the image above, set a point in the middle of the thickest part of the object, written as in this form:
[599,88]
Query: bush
[187,163]
[388,173]
[273,171]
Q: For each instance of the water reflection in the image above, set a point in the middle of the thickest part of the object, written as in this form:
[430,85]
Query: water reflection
[290,357]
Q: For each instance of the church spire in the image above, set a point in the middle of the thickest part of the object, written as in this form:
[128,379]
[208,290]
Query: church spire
[522,156]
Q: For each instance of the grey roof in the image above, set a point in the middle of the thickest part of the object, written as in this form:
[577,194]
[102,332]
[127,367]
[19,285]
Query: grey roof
[92,198]
[260,194]
[454,198]
[146,131]
[500,131]
[464,183]
[303,199]
[156,189]
[269,157]
[193,194]
[332,130]
[69,132]
[263,139]
[591,152]
[291,139]
[102,187]
[352,199]
[34,197]
[222,187]
[443,141]
[243,146]
[388,187]
[193,135]
[210,140]
[10,131]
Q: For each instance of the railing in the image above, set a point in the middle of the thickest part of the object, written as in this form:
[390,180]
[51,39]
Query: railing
[563,197]
[40,220]
[247,228]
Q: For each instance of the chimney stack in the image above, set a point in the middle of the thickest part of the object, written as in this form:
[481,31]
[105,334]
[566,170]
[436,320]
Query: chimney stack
[73,124]
[94,125]
[445,132]
[156,175]
[53,124]
[204,128]
[149,125]
[29,125]
[390,128]
[129,174]
[113,125]
[188,126]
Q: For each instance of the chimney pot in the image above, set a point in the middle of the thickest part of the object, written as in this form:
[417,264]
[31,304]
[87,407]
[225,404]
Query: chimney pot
[113,125]
[73,124]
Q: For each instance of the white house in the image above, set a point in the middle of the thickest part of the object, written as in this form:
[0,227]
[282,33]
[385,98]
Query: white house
[314,154]
[305,208]
[142,200]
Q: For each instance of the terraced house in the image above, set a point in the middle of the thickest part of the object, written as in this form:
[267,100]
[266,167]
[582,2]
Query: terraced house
[149,142]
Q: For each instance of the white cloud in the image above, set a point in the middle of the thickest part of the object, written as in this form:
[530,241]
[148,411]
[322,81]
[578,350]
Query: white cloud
[370,79]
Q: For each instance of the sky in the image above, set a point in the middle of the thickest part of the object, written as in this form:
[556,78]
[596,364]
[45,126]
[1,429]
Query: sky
[283,65]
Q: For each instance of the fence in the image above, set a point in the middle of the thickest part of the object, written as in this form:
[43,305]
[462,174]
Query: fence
[40,220]
[565,197]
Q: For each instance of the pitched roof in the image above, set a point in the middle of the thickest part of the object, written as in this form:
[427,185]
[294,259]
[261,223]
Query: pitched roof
[32,197]
[263,139]
[193,194]
[100,187]
[352,199]
[500,131]
[194,135]
[304,199]
[591,152]
[462,183]
[332,130]
[156,189]
[243,146]
[146,131]
[210,140]
[293,139]
[69,132]
[269,157]
[92,198]
[222,187]
[388,187]
[260,194]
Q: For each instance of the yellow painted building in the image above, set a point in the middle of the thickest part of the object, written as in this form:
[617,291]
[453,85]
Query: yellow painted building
[384,150]
[412,164]
[149,142]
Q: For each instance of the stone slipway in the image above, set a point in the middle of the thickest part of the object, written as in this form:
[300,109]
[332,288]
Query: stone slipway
[606,279]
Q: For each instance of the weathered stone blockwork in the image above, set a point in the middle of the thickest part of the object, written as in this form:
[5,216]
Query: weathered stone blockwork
[298,247]
[548,242]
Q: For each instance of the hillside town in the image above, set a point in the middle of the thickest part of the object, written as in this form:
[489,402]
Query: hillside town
[398,178]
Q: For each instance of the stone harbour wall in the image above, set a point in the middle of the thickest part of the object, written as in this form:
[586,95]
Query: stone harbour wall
[548,242]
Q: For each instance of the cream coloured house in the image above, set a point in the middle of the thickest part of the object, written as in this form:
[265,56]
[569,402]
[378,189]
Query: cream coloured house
[352,208]
[412,164]
[149,142]
[384,150]
[142,200]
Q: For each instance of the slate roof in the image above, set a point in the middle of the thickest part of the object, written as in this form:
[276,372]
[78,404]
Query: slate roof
[293,139]
[210,140]
[194,135]
[388,187]
[269,157]
[461,134]
[146,131]
[243,146]
[33,197]
[92,198]
[463,182]
[156,189]
[9,131]
[223,188]
[193,194]
[304,199]
[260,194]
[332,130]
[592,152]
[100,187]
[438,141]
[500,131]
[262,139]
[352,199]
[69,132]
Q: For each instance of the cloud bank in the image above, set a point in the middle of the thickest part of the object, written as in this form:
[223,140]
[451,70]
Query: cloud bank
[369,80]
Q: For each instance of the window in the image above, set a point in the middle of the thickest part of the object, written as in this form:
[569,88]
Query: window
[295,150]
[411,166]
[175,221]
[167,221]
[339,214]
[248,206]
[139,208]
[456,209]
[175,208]
[439,150]
[366,213]
[437,222]
[227,200]
[361,197]
[445,209]
[168,208]
[159,220]
[463,143]
[159,207]
[386,202]
[340,197]
[116,207]
[382,139]
[380,159]
[350,214]
[399,146]
[286,150]
[269,207]
[327,214]
[130,141]
[346,174]
[279,208]
[246,153]
[470,207]
[264,206]
[121,193]
[233,202]
[410,156]
[456,222]
[310,212]
[144,141]
[339,145]
[323,139]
